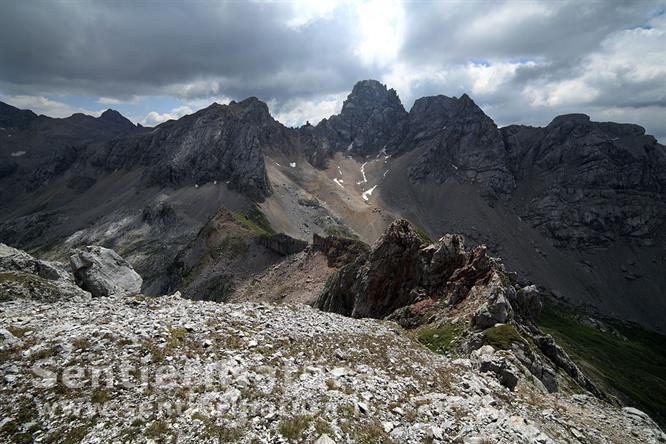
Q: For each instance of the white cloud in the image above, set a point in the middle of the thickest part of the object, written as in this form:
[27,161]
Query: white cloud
[114,101]
[487,78]
[154,118]
[494,23]
[570,92]
[382,28]
[296,113]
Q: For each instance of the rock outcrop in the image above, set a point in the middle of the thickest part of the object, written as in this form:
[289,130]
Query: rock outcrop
[103,272]
[403,280]
[393,274]
[24,277]
[339,251]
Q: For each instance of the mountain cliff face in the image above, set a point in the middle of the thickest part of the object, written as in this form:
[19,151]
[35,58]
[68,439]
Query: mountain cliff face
[589,183]
[221,143]
[454,135]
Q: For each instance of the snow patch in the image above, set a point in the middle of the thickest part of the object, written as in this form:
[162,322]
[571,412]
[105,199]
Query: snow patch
[366,194]
[382,152]
[339,182]
[339,170]
[365,179]
[386,172]
[454,166]
[292,164]
[278,164]
[351,145]
[17,153]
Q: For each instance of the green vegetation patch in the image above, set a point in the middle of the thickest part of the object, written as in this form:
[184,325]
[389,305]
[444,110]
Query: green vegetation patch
[76,434]
[293,428]
[255,221]
[502,337]
[157,429]
[340,231]
[441,339]
[626,359]
[423,236]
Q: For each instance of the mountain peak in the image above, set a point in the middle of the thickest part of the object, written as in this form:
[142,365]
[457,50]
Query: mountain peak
[113,116]
[368,118]
[368,95]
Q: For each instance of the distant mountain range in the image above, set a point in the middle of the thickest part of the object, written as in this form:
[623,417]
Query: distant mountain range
[576,207]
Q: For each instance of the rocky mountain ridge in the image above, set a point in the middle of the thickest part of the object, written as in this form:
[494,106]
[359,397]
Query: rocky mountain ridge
[584,198]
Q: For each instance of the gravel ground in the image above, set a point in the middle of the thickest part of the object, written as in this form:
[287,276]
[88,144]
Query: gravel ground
[168,369]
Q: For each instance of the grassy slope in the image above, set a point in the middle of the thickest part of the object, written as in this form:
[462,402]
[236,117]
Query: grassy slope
[628,361]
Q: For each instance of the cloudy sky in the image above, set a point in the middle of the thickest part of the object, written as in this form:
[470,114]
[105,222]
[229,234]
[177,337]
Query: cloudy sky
[521,61]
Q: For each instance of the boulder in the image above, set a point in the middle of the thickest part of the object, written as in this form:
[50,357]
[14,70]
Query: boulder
[491,313]
[324,439]
[527,303]
[103,272]
[487,361]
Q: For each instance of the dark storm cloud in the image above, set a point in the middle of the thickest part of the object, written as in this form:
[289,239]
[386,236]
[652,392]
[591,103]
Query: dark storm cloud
[522,61]
[188,49]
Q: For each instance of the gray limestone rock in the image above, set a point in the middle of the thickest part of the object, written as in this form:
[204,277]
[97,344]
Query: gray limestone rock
[23,276]
[103,272]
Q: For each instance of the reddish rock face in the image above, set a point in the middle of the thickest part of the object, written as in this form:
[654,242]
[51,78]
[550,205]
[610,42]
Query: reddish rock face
[400,271]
